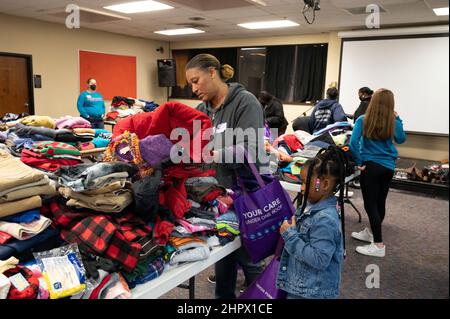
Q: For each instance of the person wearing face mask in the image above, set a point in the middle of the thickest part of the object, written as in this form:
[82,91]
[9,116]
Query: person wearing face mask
[365,94]
[91,105]
[230,107]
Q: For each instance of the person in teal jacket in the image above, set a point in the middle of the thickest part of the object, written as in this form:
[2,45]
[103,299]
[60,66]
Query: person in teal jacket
[373,149]
[91,105]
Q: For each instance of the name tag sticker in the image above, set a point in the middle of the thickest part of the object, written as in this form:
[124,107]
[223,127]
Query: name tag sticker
[221,128]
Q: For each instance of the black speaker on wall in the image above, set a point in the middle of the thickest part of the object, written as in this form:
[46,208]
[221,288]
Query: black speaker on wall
[167,74]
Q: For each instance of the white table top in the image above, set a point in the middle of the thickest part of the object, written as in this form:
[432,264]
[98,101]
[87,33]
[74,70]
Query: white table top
[174,276]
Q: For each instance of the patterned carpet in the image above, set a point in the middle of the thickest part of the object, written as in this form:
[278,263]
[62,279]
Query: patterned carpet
[416,234]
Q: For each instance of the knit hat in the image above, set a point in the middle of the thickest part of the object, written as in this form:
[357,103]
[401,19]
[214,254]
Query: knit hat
[155,149]
[125,148]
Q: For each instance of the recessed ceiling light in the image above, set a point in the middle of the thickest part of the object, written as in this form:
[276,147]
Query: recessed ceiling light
[260,2]
[139,6]
[180,31]
[269,24]
[441,11]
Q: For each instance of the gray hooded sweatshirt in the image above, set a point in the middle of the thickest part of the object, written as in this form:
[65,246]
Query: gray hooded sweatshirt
[241,109]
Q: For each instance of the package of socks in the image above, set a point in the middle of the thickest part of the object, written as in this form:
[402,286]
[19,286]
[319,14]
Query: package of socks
[63,271]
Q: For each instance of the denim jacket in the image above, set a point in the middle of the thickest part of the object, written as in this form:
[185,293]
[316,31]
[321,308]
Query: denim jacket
[310,265]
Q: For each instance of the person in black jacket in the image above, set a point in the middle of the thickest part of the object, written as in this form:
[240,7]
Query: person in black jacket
[365,94]
[273,112]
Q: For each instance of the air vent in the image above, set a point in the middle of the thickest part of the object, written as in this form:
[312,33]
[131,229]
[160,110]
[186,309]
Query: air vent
[211,5]
[192,25]
[87,15]
[361,10]
[196,18]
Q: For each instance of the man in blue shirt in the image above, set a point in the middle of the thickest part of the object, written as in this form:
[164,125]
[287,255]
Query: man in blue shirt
[91,105]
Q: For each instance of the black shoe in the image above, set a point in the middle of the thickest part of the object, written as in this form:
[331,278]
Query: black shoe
[212,279]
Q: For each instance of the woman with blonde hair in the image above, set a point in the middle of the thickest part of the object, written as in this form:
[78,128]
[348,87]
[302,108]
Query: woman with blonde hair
[372,146]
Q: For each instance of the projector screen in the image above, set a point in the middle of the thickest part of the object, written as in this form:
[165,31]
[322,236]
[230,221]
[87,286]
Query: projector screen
[415,69]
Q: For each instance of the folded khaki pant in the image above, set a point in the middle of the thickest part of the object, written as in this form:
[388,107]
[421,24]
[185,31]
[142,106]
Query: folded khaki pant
[21,205]
[43,181]
[48,189]
[109,188]
[15,173]
[113,202]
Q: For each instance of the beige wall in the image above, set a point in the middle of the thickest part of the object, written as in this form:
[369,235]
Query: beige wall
[55,56]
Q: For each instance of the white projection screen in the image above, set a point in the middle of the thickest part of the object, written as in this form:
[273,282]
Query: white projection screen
[415,69]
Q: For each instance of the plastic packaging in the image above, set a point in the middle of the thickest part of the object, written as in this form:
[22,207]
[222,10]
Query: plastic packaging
[63,271]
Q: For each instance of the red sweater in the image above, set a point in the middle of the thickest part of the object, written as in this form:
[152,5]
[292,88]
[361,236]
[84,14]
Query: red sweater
[163,120]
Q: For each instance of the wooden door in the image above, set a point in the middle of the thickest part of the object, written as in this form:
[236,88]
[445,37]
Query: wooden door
[14,85]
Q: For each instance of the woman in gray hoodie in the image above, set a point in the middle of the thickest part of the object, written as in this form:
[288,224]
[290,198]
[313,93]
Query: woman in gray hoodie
[230,107]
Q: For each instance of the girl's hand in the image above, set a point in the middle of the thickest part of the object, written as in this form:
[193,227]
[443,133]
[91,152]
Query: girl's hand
[287,225]
[395,114]
[362,168]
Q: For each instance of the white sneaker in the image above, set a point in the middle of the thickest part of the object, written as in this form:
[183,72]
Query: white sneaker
[371,250]
[364,235]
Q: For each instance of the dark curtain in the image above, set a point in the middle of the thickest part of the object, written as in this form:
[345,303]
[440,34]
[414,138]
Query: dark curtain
[310,72]
[280,62]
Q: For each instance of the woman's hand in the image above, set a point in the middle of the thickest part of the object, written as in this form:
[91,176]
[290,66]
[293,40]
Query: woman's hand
[395,114]
[283,157]
[287,225]
[362,168]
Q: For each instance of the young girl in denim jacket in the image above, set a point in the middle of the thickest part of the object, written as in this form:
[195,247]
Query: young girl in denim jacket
[310,265]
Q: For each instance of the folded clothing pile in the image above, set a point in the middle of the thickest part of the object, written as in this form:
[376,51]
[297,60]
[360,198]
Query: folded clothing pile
[188,250]
[204,189]
[21,187]
[102,138]
[122,107]
[84,134]
[39,121]
[9,117]
[69,122]
[103,187]
[21,191]
[227,227]
[50,156]
[44,133]
[113,236]
[112,286]
[24,225]
[90,177]
[335,128]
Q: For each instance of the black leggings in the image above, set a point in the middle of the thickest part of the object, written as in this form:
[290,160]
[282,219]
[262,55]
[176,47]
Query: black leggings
[375,182]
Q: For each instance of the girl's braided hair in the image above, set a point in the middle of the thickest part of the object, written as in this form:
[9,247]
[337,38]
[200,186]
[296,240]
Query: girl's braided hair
[330,162]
